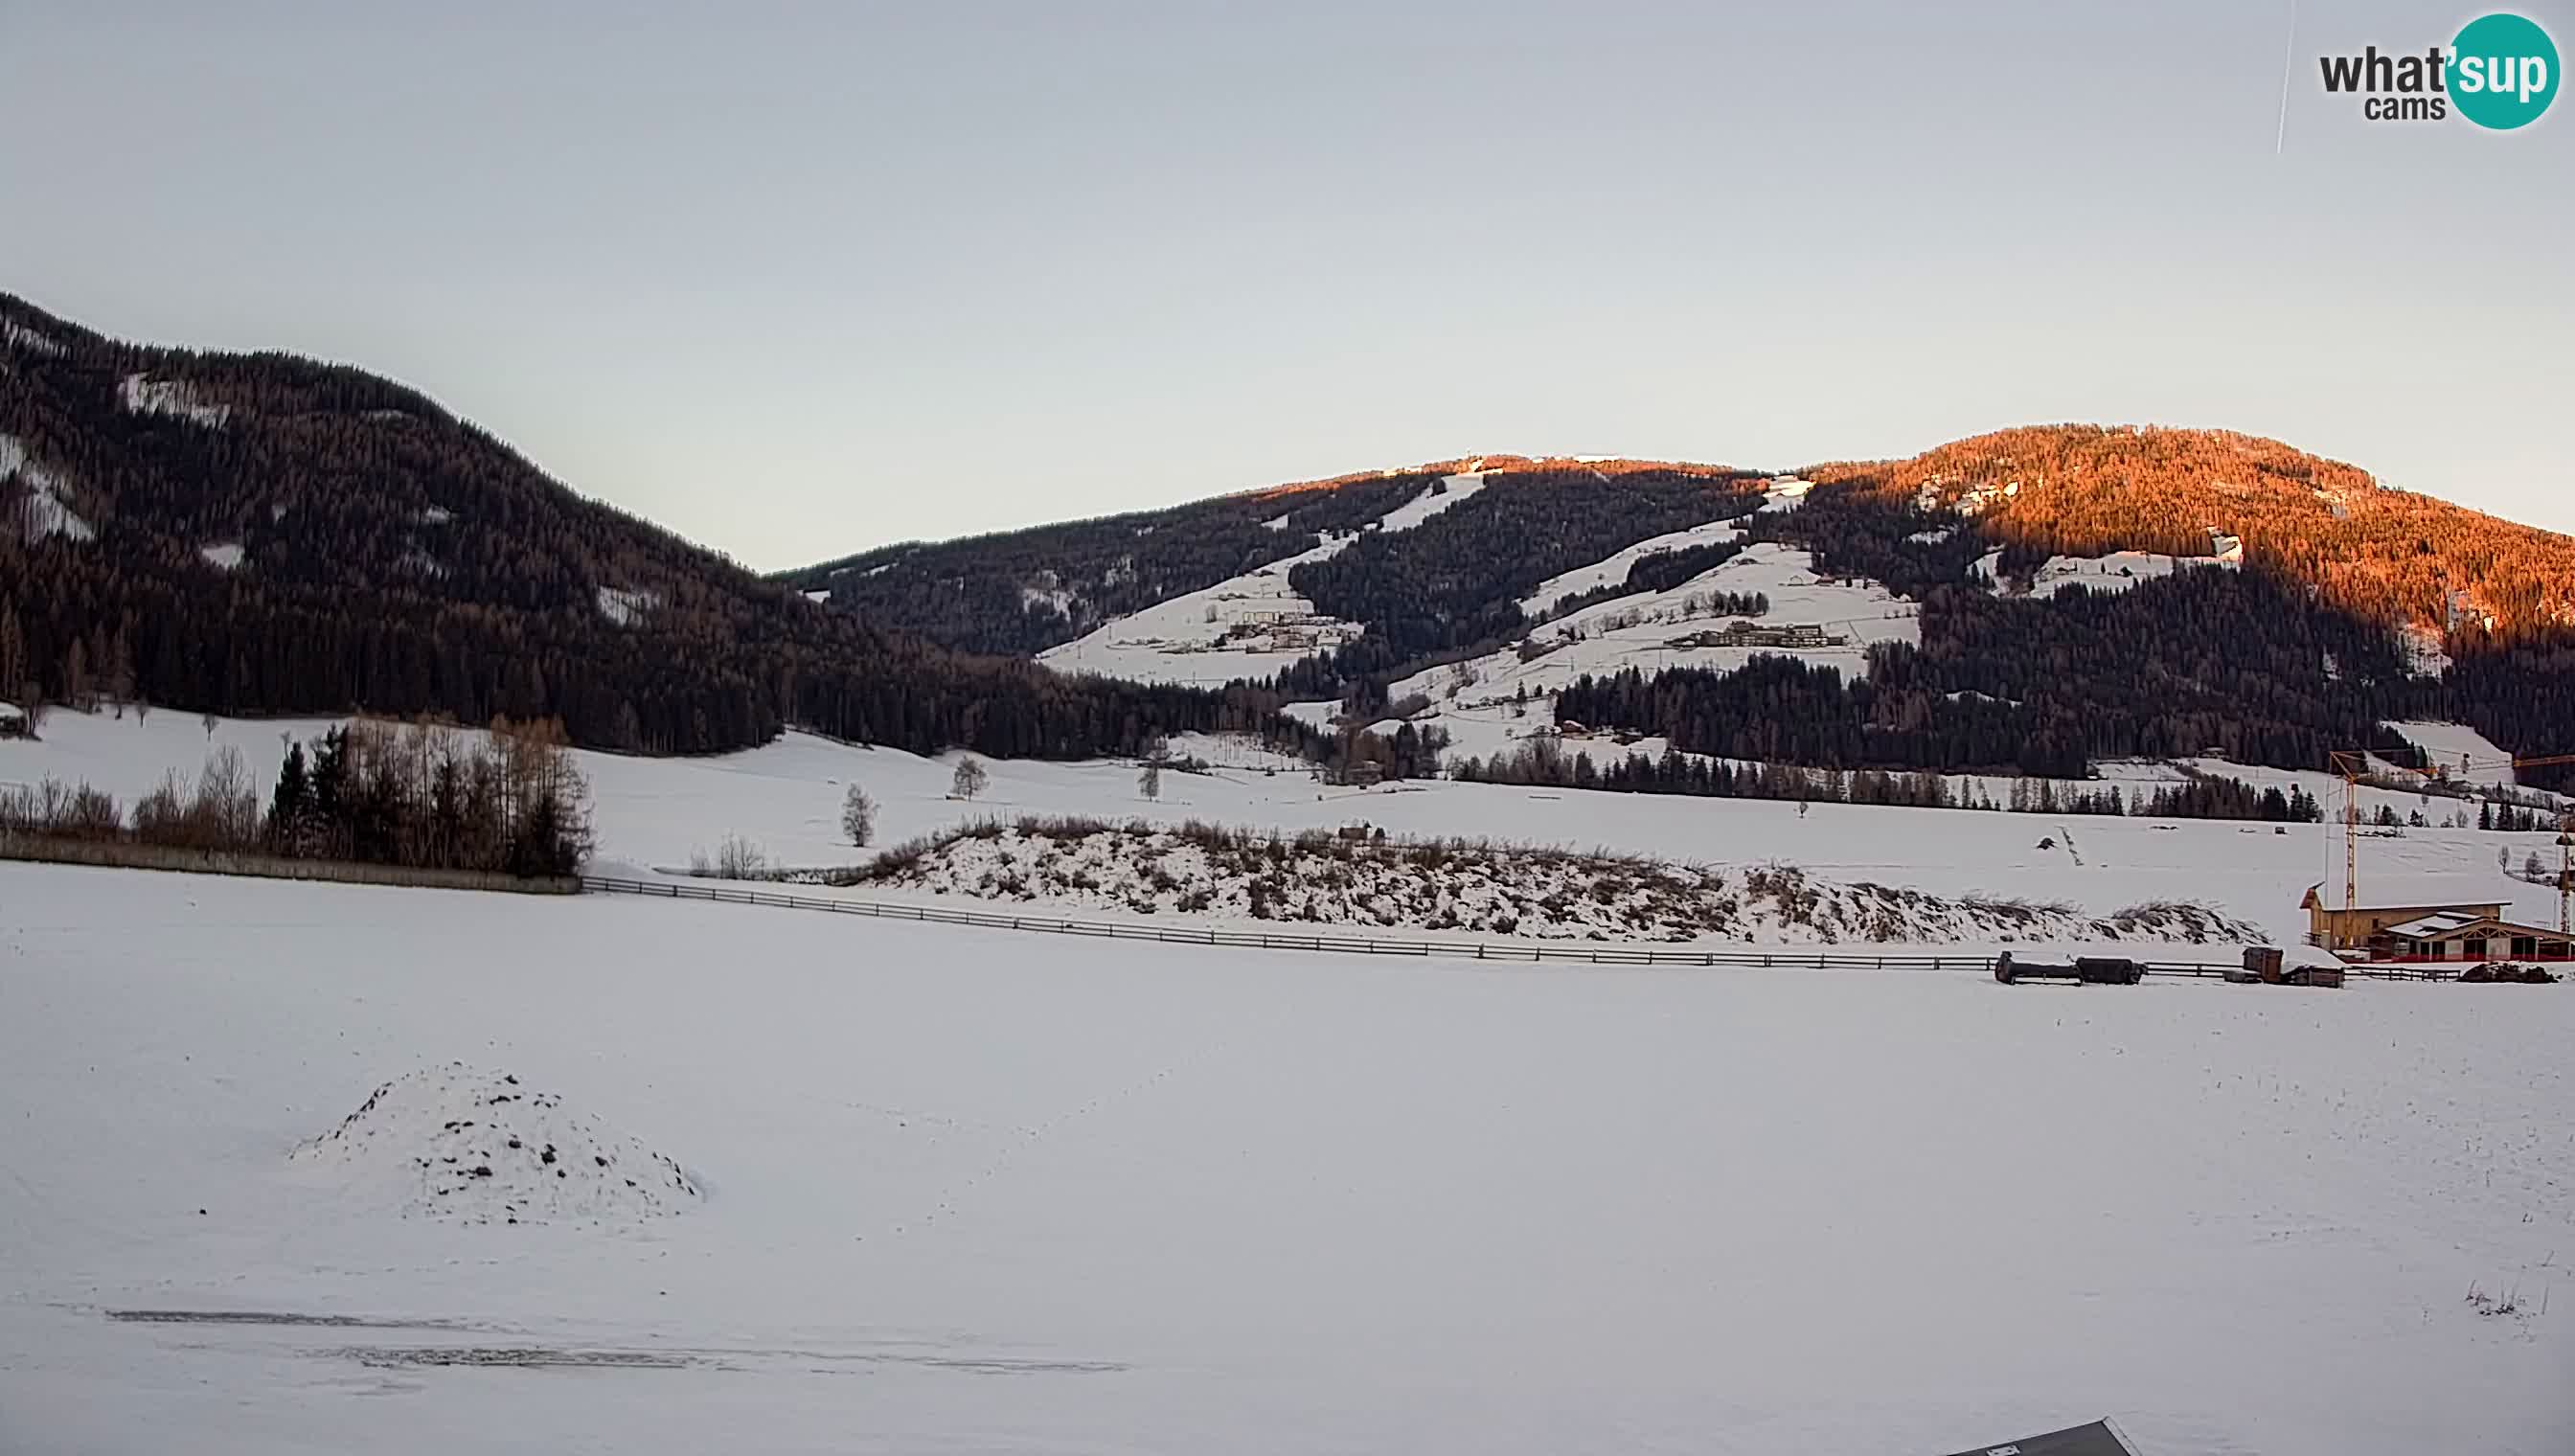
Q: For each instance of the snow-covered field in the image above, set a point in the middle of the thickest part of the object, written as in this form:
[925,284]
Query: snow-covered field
[786,797]
[2120,571]
[2462,753]
[40,511]
[1656,631]
[1250,626]
[1613,571]
[975,1191]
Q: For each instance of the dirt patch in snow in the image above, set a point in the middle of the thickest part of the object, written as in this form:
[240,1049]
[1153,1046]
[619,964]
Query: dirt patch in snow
[479,1147]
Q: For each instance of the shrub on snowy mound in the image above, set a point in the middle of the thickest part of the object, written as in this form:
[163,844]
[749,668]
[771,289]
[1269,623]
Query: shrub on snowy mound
[457,1142]
[1362,878]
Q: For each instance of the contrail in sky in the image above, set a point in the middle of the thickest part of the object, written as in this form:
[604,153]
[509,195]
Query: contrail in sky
[2288,54]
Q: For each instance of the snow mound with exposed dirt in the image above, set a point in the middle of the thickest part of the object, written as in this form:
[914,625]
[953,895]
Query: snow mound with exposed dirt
[1359,879]
[477,1146]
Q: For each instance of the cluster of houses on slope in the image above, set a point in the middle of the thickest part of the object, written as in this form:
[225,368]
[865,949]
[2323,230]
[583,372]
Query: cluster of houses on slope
[1746,633]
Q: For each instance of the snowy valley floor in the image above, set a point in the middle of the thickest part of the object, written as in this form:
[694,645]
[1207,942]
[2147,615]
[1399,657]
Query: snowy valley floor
[973,1191]
[786,797]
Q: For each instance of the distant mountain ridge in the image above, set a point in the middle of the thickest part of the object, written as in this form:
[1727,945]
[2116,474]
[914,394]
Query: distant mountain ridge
[265,534]
[2084,490]
[2354,606]
[2090,490]
[1029,588]
[260,533]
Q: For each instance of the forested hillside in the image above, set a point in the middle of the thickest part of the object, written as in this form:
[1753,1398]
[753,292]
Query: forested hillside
[2380,554]
[260,533]
[254,533]
[2202,660]
[1447,581]
[2262,665]
[1457,579]
[2355,605]
[1022,592]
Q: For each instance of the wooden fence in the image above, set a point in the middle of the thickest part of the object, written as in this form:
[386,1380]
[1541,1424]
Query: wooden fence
[126,855]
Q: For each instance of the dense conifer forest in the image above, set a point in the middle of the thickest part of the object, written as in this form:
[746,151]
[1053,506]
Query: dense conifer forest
[2258,663]
[256,534]
[2381,555]
[1022,591]
[1455,580]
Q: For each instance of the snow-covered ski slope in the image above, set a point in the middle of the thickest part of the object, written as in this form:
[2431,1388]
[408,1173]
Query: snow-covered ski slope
[1613,570]
[2462,753]
[786,797]
[975,1191]
[1250,626]
[1680,627]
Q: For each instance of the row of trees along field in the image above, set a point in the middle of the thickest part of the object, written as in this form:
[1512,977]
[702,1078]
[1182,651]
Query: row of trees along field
[1545,761]
[417,794]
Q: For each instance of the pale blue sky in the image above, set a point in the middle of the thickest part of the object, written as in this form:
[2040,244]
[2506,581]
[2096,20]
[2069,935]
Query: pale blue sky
[795,280]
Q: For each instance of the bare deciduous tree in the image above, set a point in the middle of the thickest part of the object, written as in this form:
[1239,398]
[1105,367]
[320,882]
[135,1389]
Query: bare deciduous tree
[858,816]
[735,859]
[969,780]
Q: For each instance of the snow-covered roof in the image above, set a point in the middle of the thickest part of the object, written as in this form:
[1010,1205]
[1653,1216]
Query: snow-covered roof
[10,711]
[2453,923]
[2433,926]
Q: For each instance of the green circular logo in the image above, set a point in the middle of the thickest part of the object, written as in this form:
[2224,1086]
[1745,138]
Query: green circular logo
[2503,71]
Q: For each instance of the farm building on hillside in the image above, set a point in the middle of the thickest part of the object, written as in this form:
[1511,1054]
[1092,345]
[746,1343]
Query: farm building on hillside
[1747,634]
[2428,928]
[1366,774]
[13,722]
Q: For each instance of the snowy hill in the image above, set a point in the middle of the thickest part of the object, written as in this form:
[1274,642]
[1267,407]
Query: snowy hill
[2215,621]
[455,1142]
[1684,626]
[1250,626]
